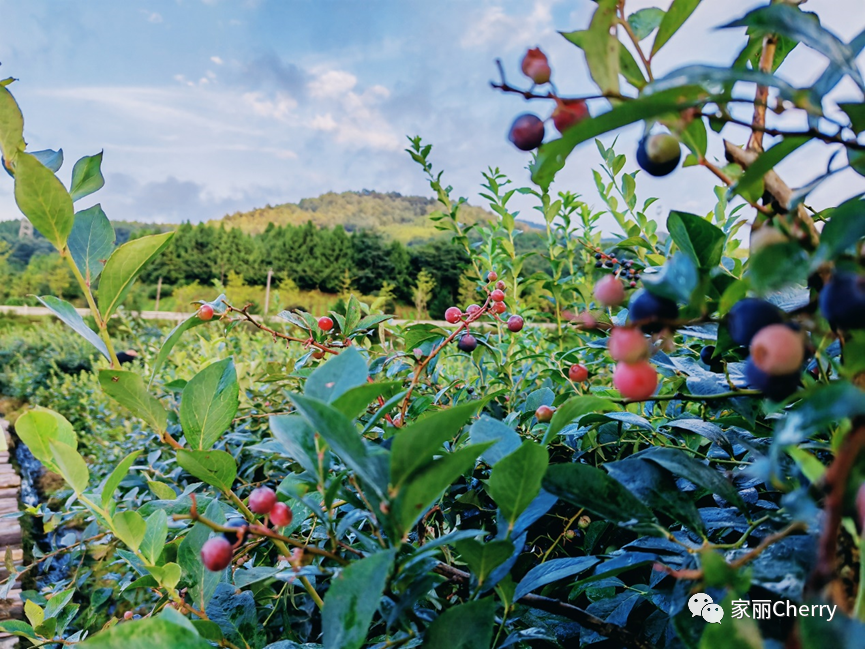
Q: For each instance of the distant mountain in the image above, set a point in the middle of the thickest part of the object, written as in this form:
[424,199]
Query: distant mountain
[405,218]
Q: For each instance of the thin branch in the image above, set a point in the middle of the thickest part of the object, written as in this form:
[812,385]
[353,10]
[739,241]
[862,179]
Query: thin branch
[309,342]
[758,122]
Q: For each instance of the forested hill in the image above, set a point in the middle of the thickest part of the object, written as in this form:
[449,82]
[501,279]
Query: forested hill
[405,218]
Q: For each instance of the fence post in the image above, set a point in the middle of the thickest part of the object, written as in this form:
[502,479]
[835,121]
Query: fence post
[158,294]
[267,291]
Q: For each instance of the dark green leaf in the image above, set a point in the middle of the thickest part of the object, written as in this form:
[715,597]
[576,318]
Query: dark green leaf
[843,230]
[675,17]
[16,627]
[298,439]
[516,480]
[353,599]
[235,614]
[91,242]
[777,265]
[573,409]
[413,447]
[43,199]
[701,241]
[67,313]
[487,429]
[216,468]
[676,280]
[483,558]
[585,486]
[856,113]
[751,180]
[87,176]
[202,582]
[553,570]
[338,375]
[467,626]
[128,389]
[355,401]
[683,465]
[116,478]
[209,403]
[124,265]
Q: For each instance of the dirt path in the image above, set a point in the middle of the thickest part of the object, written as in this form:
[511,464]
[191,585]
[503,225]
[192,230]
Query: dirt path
[10,533]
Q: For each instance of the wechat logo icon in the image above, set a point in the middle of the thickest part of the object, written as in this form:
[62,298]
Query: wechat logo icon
[701,604]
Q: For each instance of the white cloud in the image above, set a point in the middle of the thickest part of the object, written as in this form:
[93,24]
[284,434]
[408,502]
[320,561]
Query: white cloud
[152,17]
[217,60]
[323,123]
[332,83]
[279,108]
[497,24]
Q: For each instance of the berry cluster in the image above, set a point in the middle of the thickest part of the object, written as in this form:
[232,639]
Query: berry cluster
[216,553]
[623,268]
[494,305]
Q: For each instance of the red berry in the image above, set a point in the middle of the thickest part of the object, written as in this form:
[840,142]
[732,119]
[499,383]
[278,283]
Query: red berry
[609,291]
[536,66]
[627,345]
[515,323]
[325,323]
[205,312]
[499,307]
[497,295]
[501,285]
[471,309]
[280,515]
[128,615]
[569,112]
[527,132]
[216,554]
[318,354]
[262,500]
[544,414]
[578,373]
[453,315]
[778,350]
[636,381]
[633,285]
[492,276]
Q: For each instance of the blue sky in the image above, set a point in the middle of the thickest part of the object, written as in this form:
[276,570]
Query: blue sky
[205,107]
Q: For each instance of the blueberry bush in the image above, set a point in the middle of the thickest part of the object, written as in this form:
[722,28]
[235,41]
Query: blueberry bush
[679,425]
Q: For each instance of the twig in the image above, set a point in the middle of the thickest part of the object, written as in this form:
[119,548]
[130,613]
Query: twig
[309,342]
[680,396]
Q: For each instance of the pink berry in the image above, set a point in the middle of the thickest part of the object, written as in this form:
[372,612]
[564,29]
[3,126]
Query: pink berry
[499,307]
[453,315]
[492,276]
[569,112]
[472,309]
[536,66]
[280,515]
[497,295]
[578,373]
[777,350]
[544,413]
[501,285]
[216,554]
[262,500]
[610,291]
[636,381]
[128,615]
[325,323]
[205,312]
[515,323]
[627,345]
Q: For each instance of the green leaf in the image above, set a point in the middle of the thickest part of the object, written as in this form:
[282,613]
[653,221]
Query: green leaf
[209,403]
[856,113]
[338,375]
[717,80]
[697,238]
[413,447]
[58,602]
[216,468]
[467,626]
[161,490]
[43,199]
[168,575]
[574,408]
[601,47]
[16,627]
[644,21]
[91,242]
[11,126]
[551,571]
[682,465]
[516,480]
[843,230]
[124,265]
[235,614]
[172,339]
[483,558]
[202,582]
[116,478]
[128,389]
[353,599]
[38,428]
[344,439]
[676,280]
[696,138]
[130,528]
[70,317]
[87,176]
[70,465]
[155,536]
[629,68]
[585,486]
[505,438]
[355,401]
[552,155]
[677,14]
[751,181]
[148,633]
[777,265]
[426,486]
[51,159]
[789,21]
[35,614]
